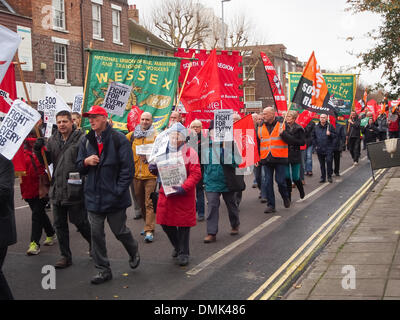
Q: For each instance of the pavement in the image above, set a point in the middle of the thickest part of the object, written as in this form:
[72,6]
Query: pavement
[362,260]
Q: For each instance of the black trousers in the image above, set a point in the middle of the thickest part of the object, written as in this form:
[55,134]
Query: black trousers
[393,134]
[325,163]
[5,292]
[382,136]
[354,148]
[179,238]
[40,219]
[336,161]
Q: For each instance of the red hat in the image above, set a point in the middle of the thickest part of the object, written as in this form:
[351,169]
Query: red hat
[95,110]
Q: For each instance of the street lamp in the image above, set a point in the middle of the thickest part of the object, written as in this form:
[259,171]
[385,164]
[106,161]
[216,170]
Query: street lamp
[223,31]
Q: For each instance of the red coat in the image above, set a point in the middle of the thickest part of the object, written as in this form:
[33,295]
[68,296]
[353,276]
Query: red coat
[180,210]
[30,182]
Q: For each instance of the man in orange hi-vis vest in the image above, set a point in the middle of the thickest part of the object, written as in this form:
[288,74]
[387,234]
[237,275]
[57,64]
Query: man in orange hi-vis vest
[274,158]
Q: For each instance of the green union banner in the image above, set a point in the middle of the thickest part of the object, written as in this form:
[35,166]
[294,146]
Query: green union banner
[341,86]
[153,80]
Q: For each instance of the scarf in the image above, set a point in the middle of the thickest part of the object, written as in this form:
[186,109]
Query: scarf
[139,133]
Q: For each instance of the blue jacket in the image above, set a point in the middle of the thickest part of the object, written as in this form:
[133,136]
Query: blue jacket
[321,141]
[107,185]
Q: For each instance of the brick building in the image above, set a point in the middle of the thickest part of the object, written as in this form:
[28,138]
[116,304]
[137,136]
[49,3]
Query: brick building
[59,31]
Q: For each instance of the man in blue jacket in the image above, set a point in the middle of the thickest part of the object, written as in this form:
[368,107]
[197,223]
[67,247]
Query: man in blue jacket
[324,140]
[105,156]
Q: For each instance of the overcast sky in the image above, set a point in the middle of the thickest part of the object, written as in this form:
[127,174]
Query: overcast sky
[302,26]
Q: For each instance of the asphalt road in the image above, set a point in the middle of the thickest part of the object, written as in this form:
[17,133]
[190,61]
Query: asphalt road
[231,268]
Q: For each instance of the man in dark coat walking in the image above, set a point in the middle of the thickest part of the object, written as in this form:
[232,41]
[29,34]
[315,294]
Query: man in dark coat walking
[105,156]
[8,231]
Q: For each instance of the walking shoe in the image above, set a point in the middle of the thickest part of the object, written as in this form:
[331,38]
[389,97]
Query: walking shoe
[63,263]
[254,185]
[101,277]
[322,181]
[355,163]
[201,218]
[134,261]
[183,260]
[337,174]
[50,240]
[263,200]
[137,217]
[269,210]
[142,233]
[330,179]
[174,253]
[149,237]
[33,249]
[286,202]
[235,231]
[210,238]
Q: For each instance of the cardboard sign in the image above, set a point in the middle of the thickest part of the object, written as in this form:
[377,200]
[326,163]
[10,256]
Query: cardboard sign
[379,155]
[116,98]
[223,125]
[17,124]
[77,106]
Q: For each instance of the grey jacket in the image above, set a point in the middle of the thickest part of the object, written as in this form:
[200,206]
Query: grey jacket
[63,157]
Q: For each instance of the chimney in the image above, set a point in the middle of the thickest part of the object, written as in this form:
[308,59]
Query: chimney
[133,13]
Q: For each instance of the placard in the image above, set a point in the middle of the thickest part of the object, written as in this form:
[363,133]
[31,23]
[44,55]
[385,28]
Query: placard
[160,145]
[116,98]
[172,172]
[223,125]
[16,125]
[77,105]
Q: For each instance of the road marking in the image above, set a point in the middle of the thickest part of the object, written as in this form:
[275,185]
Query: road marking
[22,207]
[229,248]
[348,205]
[309,195]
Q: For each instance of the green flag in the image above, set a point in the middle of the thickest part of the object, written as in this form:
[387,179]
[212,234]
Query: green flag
[153,80]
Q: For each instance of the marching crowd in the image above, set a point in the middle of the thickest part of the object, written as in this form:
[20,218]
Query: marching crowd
[98,175]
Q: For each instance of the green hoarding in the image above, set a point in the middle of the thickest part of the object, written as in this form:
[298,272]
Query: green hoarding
[342,86]
[153,78]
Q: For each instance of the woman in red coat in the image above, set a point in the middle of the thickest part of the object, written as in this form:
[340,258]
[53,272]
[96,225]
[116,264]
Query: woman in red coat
[30,193]
[176,213]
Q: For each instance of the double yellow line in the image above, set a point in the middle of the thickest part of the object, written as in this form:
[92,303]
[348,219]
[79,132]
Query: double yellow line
[292,264]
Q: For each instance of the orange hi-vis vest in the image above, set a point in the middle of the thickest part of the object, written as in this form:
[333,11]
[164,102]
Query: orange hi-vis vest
[272,142]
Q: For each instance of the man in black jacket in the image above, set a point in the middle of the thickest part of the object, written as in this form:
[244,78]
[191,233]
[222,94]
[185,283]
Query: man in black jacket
[324,139]
[105,156]
[8,231]
[353,136]
[340,146]
[66,188]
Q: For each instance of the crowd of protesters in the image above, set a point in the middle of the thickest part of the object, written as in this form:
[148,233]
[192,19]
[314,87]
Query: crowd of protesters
[98,175]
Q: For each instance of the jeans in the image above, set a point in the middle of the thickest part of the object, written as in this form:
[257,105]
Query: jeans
[5,291]
[179,238]
[200,199]
[280,175]
[325,160]
[40,220]
[77,215]
[308,159]
[213,210]
[117,222]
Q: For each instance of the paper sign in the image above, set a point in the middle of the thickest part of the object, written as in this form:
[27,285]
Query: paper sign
[51,105]
[116,98]
[144,149]
[17,124]
[77,106]
[160,145]
[172,172]
[223,125]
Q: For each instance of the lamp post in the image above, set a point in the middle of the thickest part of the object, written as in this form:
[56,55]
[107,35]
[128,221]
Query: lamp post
[223,25]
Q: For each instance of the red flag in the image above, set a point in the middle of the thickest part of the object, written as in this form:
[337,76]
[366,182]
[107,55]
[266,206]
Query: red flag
[134,118]
[245,138]
[275,84]
[304,118]
[357,106]
[204,88]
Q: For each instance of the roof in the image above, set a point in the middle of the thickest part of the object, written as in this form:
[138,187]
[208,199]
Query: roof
[139,34]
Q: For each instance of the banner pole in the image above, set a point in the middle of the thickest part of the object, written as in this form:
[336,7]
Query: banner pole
[85,84]
[184,81]
[21,74]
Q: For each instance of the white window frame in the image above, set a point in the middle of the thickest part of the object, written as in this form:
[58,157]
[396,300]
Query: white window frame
[245,96]
[117,10]
[62,3]
[252,77]
[97,36]
[59,80]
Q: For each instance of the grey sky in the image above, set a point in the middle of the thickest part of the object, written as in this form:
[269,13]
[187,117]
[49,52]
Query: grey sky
[302,26]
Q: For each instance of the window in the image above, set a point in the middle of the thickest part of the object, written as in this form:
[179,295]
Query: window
[148,51]
[96,20]
[162,53]
[60,62]
[249,94]
[58,14]
[116,25]
[279,72]
[248,73]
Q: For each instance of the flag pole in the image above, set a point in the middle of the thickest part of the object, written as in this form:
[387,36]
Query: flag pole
[85,84]
[30,103]
[184,81]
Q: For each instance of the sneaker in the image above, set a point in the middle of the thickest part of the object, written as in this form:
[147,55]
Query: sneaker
[50,240]
[142,233]
[101,277]
[269,210]
[355,163]
[134,261]
[149,237]
[33,249]
[210,238]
